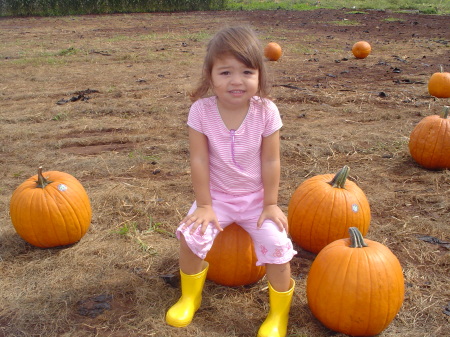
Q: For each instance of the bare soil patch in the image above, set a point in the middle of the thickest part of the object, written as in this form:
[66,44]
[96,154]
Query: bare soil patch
[127,144]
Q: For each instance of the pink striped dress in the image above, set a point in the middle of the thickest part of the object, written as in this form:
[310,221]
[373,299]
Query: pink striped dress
[235,155]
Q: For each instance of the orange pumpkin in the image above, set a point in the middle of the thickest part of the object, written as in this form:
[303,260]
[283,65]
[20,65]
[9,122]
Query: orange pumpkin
[361,49]
[50,209]
[439,84]
[322,209]
[272,51]
[355,286]
[232,258]
[429,142]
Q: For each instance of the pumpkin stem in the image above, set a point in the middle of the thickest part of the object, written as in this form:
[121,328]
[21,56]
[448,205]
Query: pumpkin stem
[442,68]
[445,113]
[42,182]
[356,238]
[340,178]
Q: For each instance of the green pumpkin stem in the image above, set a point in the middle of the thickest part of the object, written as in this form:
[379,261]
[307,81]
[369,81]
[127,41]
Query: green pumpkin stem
[356,238]
[340,178]
[445,113]
[42,182]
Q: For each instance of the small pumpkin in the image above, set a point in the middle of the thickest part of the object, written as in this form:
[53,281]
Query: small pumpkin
[322,209]
[272,51]
[361,49]
[439,84]
[50,209]
[355,286]
[232,258]
[429,142]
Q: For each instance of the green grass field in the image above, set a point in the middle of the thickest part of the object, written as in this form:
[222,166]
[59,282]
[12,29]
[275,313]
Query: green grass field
[426,7]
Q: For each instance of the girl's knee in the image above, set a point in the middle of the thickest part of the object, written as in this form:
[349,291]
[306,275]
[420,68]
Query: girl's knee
[279,268]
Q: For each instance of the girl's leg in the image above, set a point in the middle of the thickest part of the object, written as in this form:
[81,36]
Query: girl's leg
[193,272]
[193,268]
[274,249]
[189,262]
[281,289]
[279,276]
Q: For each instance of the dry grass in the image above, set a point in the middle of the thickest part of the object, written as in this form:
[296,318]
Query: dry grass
[127,144]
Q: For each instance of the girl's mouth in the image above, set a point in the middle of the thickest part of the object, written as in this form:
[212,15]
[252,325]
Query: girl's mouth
[237,92]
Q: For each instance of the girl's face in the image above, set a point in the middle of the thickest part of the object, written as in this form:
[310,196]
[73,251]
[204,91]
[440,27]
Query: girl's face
[234,83]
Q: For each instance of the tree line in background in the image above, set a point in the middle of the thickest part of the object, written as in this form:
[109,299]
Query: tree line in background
[78,7]
[74,7]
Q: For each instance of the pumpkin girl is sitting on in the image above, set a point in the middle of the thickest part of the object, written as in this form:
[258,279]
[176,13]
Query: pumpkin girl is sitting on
[235,165]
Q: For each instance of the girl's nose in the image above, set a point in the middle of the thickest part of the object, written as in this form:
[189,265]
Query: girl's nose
[236,79]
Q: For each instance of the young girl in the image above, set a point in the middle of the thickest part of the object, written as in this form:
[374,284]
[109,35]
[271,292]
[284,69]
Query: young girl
[235,163]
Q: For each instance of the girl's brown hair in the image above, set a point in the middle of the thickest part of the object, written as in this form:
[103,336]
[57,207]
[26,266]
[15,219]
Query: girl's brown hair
[242,43]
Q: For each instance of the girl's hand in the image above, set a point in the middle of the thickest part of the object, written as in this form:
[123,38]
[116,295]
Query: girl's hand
[202,216]
[274,213]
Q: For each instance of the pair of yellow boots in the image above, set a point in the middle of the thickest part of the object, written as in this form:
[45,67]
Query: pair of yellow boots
[182,312]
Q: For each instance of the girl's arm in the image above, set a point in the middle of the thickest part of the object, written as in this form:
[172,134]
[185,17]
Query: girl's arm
[270,170]
[199,157]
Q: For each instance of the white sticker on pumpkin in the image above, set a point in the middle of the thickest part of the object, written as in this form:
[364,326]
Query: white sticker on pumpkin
[62,187]
[355,208]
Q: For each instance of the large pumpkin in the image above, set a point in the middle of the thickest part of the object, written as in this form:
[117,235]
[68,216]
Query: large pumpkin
[50,209]
[323,208]
[429,142]
[232,258]
[355,287]
[439,84]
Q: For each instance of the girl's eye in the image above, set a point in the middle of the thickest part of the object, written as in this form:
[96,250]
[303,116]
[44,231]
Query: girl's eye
[248,72]
[225,73]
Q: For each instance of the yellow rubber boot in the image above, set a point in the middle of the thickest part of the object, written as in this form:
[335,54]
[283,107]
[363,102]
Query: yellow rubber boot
[182,312]
[276,322]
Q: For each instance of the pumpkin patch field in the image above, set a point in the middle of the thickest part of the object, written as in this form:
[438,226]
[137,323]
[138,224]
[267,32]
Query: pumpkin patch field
[104,99]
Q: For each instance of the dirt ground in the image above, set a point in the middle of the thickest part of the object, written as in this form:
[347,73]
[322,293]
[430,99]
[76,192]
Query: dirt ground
[104,98]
